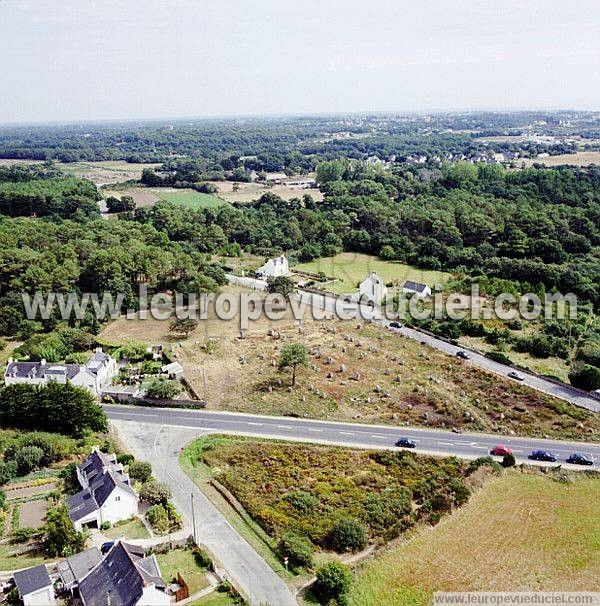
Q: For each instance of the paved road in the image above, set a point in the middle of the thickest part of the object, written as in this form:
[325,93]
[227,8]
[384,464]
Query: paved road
[328,303]
[465,445]
[160,445]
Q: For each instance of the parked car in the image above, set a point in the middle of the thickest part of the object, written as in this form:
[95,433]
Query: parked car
[501,450]
[543,455]
[513,375]
[106,547]
[406,443]
[395,325]
[463,354]
[580,459]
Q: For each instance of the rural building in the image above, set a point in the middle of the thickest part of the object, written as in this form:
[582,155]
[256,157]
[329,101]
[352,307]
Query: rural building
[96,373]
[75,568]
[106,495]
[372,289]
[273,268]
[34,586]
[416,288]
[125,576]
[174,370]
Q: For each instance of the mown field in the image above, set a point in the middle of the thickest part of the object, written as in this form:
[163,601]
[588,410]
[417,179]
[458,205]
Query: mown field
[306,489]
[190,198]
[373,375]
[520,532]
[351,268]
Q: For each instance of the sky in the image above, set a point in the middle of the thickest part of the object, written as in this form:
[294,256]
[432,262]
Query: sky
[66,60]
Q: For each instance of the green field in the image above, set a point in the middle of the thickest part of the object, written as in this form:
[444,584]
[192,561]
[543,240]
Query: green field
[519,533]
[191,199]
[351,268]
[181,561]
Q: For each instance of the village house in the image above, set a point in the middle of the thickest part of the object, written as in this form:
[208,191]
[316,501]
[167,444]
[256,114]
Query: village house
[371,289]
[34,586]
[96,373]
[75,568]
[125,576]
[416,288]
[273,268]
[106,495]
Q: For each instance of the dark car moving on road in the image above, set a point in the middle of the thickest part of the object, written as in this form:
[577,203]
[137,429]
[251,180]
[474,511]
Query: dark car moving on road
[406,443]
[463,354]
[580,459]
[543,455]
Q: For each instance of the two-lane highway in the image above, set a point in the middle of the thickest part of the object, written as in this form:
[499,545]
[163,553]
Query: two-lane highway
[436,442]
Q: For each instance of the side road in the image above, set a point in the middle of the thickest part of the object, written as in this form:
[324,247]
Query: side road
[161,446]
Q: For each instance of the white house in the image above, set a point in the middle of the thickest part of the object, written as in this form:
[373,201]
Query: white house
[416,288]
[96,373]
[106,495]
[273,268]
[372,289]
[34,586]
[125,576]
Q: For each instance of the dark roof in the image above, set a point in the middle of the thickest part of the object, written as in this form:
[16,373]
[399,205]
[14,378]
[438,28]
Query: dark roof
[73,569]
[416,286]
[119,579]
[95,463]
[23,370]
[81,504]
[32,579]
[90,499]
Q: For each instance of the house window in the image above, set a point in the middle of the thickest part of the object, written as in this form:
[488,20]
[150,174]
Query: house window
[117,498]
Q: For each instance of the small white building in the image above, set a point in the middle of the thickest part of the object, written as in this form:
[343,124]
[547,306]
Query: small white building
[416,288]
[34,586]
[96,373]
[372,289]
[274,268]
[106,495]
[174,370]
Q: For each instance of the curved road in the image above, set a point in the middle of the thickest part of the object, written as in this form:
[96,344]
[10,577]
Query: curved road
[437,442]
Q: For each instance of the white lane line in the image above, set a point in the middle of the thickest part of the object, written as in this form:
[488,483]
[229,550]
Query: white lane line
[479,447]
[379,437]
[346,433]
[285,426]
[446,443]
[517,450]
[312,429]
[251,423]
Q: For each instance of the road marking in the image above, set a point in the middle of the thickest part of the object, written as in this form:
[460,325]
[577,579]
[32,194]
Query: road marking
[285,426]
[517,450]
[312,429]
[251,423]
[380,437]
[479,447]
[446,443]
[347,433]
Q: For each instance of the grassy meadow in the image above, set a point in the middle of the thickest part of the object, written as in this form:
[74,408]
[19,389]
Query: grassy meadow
[520,532]
[351,268]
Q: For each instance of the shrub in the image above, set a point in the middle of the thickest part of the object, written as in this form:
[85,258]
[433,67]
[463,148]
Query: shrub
[508,461]
[302,501]
[8,471]
[333,581]
[155,493]
[202,559]
[297,549]
[498,356]
[162,389]
[140,471]
[483,462]
[585,376]
[158,518]
[347,535]
[61,539]
[105,526]
[2,497]
[125,458]
[22,535]
[28,458]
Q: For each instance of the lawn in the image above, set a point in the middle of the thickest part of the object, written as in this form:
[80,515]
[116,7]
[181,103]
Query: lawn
[130,529]
[519,533]
[182,561]
[351,268]
[190,198]
[10,559]
[216,598]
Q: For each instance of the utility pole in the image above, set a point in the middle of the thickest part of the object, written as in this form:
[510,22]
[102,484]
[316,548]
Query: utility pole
[194,519]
